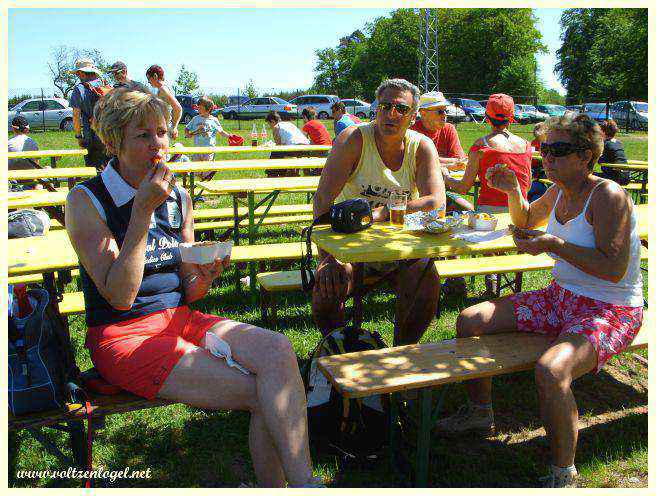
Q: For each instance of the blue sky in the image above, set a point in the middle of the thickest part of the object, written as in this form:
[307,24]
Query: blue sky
[225,47]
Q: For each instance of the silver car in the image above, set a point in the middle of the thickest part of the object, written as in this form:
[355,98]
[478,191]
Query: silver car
[321,103]
[53,112]
[259,107]
[357,107]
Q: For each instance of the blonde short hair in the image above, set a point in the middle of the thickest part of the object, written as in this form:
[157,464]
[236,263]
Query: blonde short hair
[119,107]
[584,132]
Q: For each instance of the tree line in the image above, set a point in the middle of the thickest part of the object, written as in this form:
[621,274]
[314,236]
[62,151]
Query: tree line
[604,54]
[483,51]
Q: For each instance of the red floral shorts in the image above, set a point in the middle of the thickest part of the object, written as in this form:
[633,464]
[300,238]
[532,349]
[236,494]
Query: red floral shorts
[555,310]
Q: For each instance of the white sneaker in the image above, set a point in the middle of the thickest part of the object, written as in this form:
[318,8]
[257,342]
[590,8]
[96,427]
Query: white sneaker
[565,478]
[468,418]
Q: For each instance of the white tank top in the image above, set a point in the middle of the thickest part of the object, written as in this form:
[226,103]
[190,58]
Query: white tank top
[578,231]
[372,180]
[291,135]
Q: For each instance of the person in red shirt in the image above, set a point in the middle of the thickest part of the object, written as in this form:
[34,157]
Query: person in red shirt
[498,147]
[314,128]
[432,111]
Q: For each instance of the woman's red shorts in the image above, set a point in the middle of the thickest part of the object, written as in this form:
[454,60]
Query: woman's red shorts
[138,354]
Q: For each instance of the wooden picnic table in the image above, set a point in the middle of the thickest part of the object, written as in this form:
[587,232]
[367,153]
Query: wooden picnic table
[191,168]
[250,149]
[60,173]
[271,187]
[36,198]
[383,243]
[52,154]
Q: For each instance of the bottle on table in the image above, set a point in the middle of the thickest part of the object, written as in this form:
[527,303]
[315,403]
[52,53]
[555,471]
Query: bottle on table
[264,135]
[254,135]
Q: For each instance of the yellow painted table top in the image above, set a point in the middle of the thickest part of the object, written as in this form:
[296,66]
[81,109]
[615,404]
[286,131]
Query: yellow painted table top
[247,164]
[36,198]
[54,251]
[247,149]
[630,166]
[38,254]
[58,173]
[48,153]
[260,185]
[382,243]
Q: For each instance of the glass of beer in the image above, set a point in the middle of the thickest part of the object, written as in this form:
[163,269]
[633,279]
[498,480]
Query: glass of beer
[397,205]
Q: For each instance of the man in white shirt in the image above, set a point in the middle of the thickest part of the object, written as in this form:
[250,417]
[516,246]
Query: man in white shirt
[21,142]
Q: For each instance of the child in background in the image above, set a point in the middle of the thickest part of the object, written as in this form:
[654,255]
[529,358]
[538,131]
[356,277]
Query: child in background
[204,127]
[538,188]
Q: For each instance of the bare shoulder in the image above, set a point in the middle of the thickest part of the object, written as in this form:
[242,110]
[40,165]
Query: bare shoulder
[81,214]
[350,137]
[609,197]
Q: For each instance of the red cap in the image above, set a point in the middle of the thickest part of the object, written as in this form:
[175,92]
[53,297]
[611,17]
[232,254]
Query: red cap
[235,140]
[501,107]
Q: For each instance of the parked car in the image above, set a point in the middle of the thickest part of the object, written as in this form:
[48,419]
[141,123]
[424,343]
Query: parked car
[596,111]
[189,105]
[575,108]
[358,108]
[473,109]
[259,107]
[321,103]
[236,100]
[532,112]
[54,112]
[551,110]
[635,112]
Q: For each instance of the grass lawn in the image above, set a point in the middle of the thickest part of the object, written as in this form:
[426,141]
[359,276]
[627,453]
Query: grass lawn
[189,447]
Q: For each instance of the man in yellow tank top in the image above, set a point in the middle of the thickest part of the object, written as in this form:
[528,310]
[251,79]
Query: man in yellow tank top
[371,161]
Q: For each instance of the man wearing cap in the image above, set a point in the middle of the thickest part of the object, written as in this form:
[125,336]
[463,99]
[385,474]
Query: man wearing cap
[119,72]
[82,101]
[371,161]
[21,142]
[432,111]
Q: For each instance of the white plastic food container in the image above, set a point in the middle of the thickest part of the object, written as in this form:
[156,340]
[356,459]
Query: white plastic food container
[205,252]
[480,224]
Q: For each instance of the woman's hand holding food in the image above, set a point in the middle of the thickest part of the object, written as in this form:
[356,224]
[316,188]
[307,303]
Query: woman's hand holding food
[211,271]
[155,186]
[533,241]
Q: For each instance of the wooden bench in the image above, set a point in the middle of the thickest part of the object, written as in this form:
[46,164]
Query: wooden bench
[424,366]
[228,212]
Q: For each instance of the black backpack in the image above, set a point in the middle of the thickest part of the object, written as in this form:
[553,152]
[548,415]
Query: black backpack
[354,429]
[41,362]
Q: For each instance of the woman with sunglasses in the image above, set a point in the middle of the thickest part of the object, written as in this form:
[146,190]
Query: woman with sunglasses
[593,307]
[498,147]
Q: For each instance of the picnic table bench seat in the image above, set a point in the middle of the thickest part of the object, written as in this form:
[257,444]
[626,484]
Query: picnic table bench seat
[424,366]
[400,368]
[267,221]
[228,212]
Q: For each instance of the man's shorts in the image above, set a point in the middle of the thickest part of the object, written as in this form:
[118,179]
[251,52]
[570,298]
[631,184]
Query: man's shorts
[138,354]
[555,310]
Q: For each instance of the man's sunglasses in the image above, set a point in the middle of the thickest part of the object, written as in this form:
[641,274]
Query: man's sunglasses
[559,149]
[400,108]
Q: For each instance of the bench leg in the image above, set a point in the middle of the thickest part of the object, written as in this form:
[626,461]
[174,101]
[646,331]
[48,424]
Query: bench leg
[263,305]
[273,305]
[423,438]
[78,439]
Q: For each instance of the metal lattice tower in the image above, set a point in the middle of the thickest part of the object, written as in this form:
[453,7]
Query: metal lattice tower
[428,51]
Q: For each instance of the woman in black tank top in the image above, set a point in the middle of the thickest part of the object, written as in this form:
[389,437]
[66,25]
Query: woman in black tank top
[125,226]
